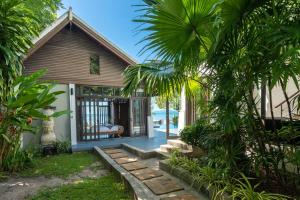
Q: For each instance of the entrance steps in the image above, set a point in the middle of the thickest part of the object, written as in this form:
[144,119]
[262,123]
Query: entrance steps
[176,145]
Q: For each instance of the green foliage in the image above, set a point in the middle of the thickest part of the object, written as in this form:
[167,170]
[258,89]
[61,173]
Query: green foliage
[21,98]
[192,165]
[29,95]
[220,181]
[158,79]
[197,133]
[63,147]
[175,120]
[18,161]
[173,102]
[61,165]
[245,191]
[238,46]
[104,188]
[20,22]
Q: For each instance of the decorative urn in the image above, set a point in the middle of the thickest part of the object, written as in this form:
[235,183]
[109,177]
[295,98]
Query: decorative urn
[48,139]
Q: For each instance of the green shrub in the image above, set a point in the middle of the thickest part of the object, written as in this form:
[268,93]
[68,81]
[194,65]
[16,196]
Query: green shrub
[245,191]
[175,120]
[191,165]
[196,134]
[17,161]
[63,147]
[25,101]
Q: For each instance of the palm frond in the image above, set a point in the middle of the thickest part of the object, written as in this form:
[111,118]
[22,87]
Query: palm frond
[158,79]
[179,31]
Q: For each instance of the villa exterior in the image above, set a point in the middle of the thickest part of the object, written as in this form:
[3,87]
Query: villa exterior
[88,68]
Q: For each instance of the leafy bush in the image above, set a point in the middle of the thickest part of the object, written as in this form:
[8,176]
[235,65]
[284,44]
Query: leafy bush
[175,120]
[220,181]
[27,97]
[191,165]
[17,161]
[243,190]
[196,134]
[63,147]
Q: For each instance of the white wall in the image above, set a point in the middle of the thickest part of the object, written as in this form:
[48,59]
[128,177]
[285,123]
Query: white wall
[277,98]
[61,124]
[182,112]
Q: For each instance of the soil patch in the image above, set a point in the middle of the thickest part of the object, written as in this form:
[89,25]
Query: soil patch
[18,188]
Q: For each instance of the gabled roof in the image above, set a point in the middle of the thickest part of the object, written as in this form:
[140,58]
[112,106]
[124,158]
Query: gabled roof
[70,18]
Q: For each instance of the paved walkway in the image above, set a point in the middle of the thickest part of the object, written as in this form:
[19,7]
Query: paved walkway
[163,185]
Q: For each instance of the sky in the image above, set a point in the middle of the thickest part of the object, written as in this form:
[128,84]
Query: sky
[113,19]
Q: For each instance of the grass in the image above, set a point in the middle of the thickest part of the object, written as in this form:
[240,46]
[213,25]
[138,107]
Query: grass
[104,188]
[61,165]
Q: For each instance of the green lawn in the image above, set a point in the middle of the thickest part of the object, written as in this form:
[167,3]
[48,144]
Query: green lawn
[104,188]
[61,165]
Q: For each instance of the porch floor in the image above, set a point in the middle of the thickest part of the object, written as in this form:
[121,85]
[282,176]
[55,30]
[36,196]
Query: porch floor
[142,142]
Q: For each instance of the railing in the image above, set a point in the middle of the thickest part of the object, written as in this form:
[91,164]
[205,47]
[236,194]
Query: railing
[290,99]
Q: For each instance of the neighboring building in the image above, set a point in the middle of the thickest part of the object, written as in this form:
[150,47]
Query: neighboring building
[280,106]
[89,69]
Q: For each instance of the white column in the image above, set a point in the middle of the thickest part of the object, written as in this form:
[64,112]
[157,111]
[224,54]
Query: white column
[150,120]
[112,113]
[73,114]
[131,117]
[182,112]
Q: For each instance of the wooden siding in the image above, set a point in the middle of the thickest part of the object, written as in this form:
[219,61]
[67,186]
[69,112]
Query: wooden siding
[67,58]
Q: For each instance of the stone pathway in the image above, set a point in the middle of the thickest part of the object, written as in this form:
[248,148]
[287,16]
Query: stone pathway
[18,188]
[163,185]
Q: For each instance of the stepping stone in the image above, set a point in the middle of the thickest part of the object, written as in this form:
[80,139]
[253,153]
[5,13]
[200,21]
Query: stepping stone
[118,155]
[112,151]
[125,160]
[133,166]
[162,185]
[181,197]
[144,174]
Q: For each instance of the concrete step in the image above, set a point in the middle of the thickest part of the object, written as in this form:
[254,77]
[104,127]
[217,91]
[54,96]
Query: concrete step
[167,148]
[179,144]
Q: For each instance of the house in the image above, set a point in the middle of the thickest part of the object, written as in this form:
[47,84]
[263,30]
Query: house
[88,68]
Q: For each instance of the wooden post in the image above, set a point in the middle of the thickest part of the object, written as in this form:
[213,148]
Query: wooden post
[167,118]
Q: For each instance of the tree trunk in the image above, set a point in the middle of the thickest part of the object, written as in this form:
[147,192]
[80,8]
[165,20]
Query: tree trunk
[287,101]
[263,100]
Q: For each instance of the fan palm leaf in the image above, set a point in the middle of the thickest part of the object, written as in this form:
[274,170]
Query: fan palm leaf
[179,31]
[158,79]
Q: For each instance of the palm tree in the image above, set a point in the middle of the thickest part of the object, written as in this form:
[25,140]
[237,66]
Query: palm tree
[237,44]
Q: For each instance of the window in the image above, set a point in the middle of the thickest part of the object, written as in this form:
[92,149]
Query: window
[94,64]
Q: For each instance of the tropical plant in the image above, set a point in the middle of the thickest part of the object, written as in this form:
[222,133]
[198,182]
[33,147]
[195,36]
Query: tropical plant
[197,133]
[245,191]
[63,147]
[20,22]
[23,105]
[161,102]
[21,97]
[239,47]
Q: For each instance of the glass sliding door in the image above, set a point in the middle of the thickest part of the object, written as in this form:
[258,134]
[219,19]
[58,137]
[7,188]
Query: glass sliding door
[139,116]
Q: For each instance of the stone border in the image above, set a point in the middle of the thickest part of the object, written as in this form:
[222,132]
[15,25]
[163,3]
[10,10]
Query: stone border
[141,192]
[184,175]
[142,153]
